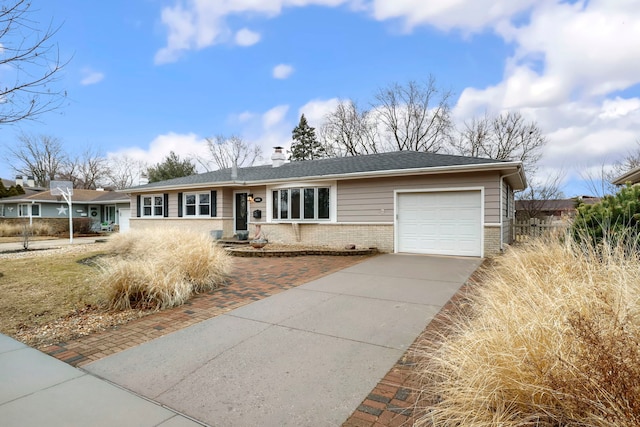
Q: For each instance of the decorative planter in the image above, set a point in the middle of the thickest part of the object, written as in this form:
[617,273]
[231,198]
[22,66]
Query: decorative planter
[258,244]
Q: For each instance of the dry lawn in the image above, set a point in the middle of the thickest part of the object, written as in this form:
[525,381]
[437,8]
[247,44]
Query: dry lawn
[48,296]
[551,338]
[38,290]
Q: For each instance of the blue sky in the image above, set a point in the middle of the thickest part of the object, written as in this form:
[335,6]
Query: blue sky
[150,76]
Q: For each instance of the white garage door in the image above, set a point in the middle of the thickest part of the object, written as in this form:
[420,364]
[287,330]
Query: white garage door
[441,223]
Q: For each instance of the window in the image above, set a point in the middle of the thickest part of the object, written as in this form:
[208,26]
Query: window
[29,209]
[301,204]
[153,205]
[197,204]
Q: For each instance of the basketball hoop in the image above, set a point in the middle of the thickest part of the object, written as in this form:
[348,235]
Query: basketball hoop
[64,189]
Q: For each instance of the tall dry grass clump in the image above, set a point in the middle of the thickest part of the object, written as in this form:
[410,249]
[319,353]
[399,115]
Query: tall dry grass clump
[553,339]
[16,229]
[161,268]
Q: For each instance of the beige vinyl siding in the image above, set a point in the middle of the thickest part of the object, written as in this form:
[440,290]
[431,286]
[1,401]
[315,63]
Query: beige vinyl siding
[173,204]
[371,200]
[507,216]
[226,207]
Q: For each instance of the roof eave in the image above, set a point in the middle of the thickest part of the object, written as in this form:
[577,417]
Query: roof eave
[515,167]
[632,176]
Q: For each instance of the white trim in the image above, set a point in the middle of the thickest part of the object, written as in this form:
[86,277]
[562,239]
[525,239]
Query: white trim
[247,192]
[153,211]
[396,193]
[359,223]
[492,224]
[484,167]
[197,204]
[333,202]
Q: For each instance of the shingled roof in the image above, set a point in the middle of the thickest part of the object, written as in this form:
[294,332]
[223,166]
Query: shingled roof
[327,168]
[79,196]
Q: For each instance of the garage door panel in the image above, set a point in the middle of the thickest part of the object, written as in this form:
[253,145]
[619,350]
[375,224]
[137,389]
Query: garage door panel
[445,223]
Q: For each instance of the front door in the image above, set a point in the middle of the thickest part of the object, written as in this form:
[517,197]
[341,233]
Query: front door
[241,212]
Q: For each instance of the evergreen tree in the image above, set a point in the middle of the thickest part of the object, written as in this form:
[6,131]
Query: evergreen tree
[171,167]
[19,189]
[305,145]
[4,192]
[13,191]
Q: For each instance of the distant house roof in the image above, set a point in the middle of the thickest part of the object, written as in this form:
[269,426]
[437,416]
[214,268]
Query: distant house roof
[79,196]
[633,176]
[395,163]
[27,190]
[554,205]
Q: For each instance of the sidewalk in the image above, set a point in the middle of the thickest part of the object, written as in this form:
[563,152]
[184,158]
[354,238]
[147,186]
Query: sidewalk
[38,390]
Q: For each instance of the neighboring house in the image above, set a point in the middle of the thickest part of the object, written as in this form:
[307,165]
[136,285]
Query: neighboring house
[633,177]
[398,202]
[27,185]
[556,209]
[97,205]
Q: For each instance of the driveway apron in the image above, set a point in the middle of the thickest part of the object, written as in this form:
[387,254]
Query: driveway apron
[305,357]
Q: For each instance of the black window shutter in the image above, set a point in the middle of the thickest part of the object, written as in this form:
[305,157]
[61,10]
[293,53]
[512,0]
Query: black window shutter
[138,206]
[166,205]
[180,204]
[214,203]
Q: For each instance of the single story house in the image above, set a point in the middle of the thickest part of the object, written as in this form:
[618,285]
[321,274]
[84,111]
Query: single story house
[554,209]
[398,202]
[98,205]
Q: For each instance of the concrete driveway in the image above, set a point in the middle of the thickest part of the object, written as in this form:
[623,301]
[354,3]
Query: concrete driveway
[305,357]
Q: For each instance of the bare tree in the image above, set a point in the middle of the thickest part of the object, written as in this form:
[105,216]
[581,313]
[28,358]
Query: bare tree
[415,116]
[39,156]
[31,65]
[539,195]
[505,137]
[225,151]
[88,170]
[349,131]
[599,182]
[124,171]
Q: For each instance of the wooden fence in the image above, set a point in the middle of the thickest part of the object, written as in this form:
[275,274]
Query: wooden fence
[524,230]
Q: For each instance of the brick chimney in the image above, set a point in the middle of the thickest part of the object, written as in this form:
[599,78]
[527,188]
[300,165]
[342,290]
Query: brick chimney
[19,180]
[278,157]
[31,182]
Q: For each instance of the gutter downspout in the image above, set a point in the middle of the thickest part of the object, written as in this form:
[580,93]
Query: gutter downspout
[501,206]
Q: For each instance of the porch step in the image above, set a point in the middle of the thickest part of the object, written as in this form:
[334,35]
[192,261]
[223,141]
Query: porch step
[230,242]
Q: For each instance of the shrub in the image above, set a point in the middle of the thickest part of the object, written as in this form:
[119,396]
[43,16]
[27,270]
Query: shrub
[553,339]
[616,216]
[161,268]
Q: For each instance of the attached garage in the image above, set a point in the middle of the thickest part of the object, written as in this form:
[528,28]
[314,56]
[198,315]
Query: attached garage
[439,222]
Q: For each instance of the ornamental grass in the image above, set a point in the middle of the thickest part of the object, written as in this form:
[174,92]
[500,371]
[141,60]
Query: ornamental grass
[161,268]
[551,337]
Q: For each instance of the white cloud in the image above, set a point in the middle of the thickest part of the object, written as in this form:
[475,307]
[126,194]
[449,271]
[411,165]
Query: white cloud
[246,37]
[91,77]
[466,15]
[185,145]
[274,116]
[197,24]
[316,110]
[282,71]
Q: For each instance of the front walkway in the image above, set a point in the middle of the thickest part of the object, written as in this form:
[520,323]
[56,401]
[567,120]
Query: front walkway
[251,280]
